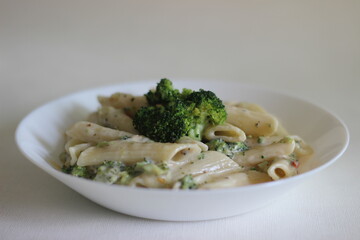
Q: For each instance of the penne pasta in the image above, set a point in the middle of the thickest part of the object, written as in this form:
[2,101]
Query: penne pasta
[281,168]
[132,152]
[116,119]
[249,106]
[129,103]
[92,132]
[202,145]
[251,122]
[260,154]
[226,131]
[262,141]
[148,181]
[211,165]
[74,151]
[235,179]
[301,148]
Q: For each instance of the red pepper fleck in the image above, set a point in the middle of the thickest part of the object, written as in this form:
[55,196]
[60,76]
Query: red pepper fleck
[295,164]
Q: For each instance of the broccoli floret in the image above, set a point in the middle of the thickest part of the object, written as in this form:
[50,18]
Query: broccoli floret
[172,115]
[67,169]
[80,172]
[163,124]
[149,167]
[207,107]
[185,93]
[109,172]
[286,140]
[163,94]
[77,171]
[228,148]
[187,182]
[119,173]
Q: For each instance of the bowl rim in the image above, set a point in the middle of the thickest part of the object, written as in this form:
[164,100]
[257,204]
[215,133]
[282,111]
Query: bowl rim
[46,166]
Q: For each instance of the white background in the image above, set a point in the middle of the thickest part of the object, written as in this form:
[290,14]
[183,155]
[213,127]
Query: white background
[49,49]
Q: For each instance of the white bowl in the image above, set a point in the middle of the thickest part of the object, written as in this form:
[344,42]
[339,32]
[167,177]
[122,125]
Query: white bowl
[40,136]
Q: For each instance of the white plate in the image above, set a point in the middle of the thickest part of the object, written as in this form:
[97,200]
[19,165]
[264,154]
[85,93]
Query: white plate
[40,136]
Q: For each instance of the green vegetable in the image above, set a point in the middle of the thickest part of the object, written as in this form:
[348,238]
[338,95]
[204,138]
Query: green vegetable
[66,169]
[147,166]
[102,144]
[228,148]
[163,124]
[80,172]
[124,137]
[201,156]
[124,178]
[286,140]
[163,94]
[172,115]
[292,157]
[110,172]
[206,106]
[77,171]
[187,182]
[117,172]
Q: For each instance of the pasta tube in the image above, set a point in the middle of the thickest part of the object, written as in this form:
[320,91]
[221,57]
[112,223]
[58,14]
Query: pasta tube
[226,131]
[75,151]
[186,139]
[251,122]
[128,102]
[232,180]
[115,118]
[262,153]
[281,168]
[249,106]
[132,152]
[92,132]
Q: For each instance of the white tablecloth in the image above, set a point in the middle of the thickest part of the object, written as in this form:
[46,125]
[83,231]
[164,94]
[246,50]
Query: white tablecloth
[52,48]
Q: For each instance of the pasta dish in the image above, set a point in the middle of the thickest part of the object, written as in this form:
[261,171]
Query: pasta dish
[180,139]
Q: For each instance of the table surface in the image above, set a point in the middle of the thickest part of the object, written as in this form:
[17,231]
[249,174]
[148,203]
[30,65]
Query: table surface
[52,48]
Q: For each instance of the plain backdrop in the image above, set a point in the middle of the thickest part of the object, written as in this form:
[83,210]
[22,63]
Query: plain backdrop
[48,49]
